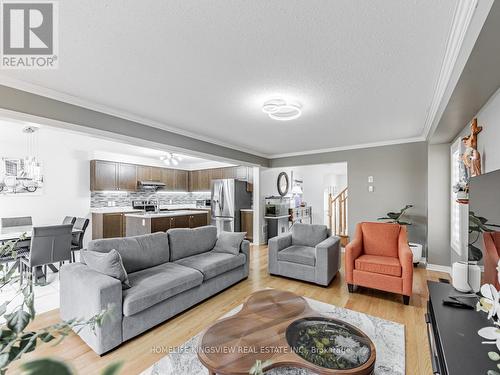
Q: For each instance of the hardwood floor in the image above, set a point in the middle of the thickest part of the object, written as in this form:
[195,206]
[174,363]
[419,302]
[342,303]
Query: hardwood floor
[138,354]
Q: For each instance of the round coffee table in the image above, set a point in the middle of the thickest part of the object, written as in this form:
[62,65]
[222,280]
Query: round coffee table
[280,327]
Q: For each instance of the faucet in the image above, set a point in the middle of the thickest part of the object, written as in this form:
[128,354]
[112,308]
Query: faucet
[155,202]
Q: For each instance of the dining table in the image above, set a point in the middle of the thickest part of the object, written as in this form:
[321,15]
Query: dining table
[15,233]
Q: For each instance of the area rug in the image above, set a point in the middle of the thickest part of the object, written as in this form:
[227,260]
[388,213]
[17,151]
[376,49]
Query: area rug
[388,338]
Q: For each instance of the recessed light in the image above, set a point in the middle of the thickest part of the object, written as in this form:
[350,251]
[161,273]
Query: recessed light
[282,110]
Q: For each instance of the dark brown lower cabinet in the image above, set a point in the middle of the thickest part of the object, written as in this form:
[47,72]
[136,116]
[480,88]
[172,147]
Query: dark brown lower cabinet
[110,225]
[198,220]
[247,224]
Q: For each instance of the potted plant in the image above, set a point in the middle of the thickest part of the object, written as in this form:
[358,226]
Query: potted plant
[461,189]
[16,336]
[398,218]
[477,225]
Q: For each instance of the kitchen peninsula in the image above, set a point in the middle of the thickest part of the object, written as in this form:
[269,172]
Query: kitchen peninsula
[151,222]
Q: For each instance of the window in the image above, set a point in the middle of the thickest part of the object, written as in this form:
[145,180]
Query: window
[459,212]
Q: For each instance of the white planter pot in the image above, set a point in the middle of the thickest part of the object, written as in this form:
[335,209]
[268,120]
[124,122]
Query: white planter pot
[416,249]
[466,277]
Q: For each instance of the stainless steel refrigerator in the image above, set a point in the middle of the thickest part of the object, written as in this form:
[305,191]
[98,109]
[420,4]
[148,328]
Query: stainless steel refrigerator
[228,198]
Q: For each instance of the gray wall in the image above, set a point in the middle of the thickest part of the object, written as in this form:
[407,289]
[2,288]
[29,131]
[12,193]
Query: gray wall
[439,249]
[40,106]
[400,177]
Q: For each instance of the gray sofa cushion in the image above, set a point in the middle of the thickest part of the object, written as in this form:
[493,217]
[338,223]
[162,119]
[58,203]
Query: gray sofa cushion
[139,252]
[298,254]
[109,264]
[213,263]
[185,242]
[308,234]
[229,242]
[156,284]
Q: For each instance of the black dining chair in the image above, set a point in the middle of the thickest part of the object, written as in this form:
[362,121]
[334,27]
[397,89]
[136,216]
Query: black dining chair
[69,220]
[80,224]
[50,244]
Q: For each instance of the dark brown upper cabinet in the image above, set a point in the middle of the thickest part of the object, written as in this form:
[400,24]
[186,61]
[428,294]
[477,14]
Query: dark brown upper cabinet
[156,173]
[168,178]
[109,175]
[127,177]
[181,180]
[144,173]
[103,175]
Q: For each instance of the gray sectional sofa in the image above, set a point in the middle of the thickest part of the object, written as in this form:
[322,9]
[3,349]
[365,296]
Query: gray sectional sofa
[168,273]
[307,253]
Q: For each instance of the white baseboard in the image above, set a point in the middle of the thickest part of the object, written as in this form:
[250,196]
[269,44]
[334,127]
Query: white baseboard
[439,268]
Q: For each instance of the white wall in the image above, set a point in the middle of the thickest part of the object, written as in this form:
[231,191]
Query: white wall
[65,162]
[438,206]
[315,179]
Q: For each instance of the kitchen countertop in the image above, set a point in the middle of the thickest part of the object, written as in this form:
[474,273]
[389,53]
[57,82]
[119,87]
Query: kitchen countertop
[152,215]
[115,209]
[247,209]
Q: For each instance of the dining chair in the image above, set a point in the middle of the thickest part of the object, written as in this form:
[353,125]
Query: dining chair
[13,222]
[50,244]
[69,220]
[80,224]
[8,222]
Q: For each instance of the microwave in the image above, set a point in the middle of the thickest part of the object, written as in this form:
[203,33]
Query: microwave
[277,206]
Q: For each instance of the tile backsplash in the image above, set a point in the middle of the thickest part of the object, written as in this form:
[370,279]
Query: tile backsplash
[121,199]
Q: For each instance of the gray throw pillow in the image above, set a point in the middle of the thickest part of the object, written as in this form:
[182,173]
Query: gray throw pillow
[109,264]
[229,242]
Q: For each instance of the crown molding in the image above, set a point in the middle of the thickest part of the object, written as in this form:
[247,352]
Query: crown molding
[462,18]
[77,101]
[350,147]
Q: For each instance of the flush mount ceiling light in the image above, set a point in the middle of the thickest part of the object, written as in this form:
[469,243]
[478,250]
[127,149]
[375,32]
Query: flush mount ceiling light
[282,110]
[171,159]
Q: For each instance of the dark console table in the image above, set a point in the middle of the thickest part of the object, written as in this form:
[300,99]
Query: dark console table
[456,347]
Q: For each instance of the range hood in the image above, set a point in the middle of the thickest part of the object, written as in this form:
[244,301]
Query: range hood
[150,185]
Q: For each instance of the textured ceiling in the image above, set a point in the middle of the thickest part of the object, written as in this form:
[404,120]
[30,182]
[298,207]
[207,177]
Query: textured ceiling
[364,71]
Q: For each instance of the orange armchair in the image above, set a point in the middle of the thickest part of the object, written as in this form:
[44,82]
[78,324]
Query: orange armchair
[491,257]
[379,257]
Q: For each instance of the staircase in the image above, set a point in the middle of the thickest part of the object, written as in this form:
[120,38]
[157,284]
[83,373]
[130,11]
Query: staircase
[337,215]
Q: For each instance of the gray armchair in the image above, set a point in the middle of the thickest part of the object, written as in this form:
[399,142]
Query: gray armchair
[307,253]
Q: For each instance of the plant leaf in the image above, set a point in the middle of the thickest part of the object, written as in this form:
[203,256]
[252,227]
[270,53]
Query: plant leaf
[494,356]
[46,366]
[112,369]
[475,253]
[18,320]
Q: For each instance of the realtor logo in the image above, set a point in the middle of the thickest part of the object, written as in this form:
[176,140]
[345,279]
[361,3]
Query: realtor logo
[29,34]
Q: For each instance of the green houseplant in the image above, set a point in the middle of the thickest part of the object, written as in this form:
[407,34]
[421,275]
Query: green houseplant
[16,338]
[477,225]
[397,217]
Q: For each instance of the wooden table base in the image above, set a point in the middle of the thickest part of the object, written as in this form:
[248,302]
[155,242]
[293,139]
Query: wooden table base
[232,345]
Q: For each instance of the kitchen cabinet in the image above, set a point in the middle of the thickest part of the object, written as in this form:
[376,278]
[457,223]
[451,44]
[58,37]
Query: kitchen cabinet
[108,225]
[200,180]
[144,173]
[198,220]
[168,178]
[109,175]
[127,177]
[139,224]
[156,173]
[216,174]
[181,180]
[103,175]
[246,218]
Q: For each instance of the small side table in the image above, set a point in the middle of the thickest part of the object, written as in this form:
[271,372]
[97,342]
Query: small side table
[416,249]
